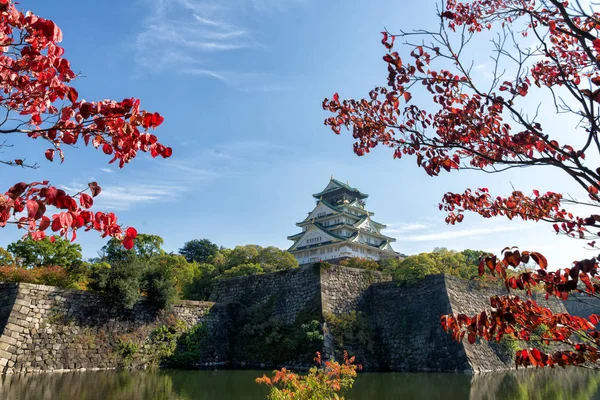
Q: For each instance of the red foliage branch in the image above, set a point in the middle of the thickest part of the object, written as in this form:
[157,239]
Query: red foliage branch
[519,319]
[454,123]
[40,103]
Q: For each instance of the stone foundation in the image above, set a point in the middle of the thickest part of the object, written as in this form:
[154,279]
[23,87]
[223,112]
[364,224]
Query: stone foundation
[263,321]
[49,329]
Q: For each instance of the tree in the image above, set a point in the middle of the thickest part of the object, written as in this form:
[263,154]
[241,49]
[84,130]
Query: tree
[202,282]
[243,270]
[53,251]
[177,268]
[145,247]
[121,280]
[40,103]
[463,122]
[416,267]
[6,258]
[199,250]
[270,258]
[273,259]
[239,255]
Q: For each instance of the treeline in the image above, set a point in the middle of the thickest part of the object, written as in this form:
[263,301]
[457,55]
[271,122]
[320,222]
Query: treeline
[164,278]
[145,271]
[463,264]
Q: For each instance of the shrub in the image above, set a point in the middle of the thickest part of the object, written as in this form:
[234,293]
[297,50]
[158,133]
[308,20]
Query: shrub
[159,285]
[242,270]
[202,282]
[53,276]
[351,330]
[319,383]
[122,282]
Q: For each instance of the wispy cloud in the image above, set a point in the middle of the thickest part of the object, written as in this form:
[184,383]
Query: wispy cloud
[107,170]
[450,233]
[226,159]
[183,32]
[190,37]
[404,227]
[122,197]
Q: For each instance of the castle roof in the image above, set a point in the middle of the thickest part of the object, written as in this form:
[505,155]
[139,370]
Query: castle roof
[335,185]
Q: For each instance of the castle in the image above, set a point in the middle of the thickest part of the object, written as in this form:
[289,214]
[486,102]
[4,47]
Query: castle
[340,227]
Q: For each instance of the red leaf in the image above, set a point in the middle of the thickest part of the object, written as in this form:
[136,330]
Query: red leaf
[131,232]
[44,223]
[50,154]
[32,208]
[407,96]
[128,243]
[17,190]
[94,188]
[539,259]
[86,200]
[56,225]
[72,95]
[471,337]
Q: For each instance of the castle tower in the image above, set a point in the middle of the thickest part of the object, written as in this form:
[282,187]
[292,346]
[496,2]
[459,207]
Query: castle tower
[340,227]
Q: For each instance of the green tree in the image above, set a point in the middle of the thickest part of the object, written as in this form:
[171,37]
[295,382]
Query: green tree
[239,255]
[121,280]
[199,250]
[416,267]
[270,258]
[274,259]
[146,269]
[145,247]
[31,253]
[243,269]
[6,258]
[472,257]
[180,271]
[441,261]
[202,282]
[159,283]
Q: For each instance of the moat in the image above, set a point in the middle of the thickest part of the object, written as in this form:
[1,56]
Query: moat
[234,384]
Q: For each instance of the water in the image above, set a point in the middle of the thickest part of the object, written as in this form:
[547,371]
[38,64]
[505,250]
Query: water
[209,385]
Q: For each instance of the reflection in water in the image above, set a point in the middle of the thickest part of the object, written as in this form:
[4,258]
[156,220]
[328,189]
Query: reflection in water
[541,384]
[209,385]
[136,385]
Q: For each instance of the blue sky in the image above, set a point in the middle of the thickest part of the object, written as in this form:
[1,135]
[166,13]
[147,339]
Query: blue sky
[240,84]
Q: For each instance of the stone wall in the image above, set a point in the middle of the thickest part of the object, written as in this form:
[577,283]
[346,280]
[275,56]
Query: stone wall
[266,317]
[406,320]
[582,305]
[8,294]
[292,291]
[265,321]
[470,298]
[51,329]
[343,288]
